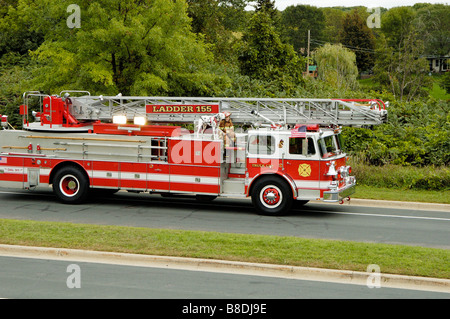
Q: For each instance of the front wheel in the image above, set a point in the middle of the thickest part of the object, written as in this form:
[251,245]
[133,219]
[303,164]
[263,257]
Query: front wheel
[71,185]
[272,196]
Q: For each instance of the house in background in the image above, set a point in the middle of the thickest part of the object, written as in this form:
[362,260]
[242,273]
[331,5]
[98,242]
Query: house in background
[438,64]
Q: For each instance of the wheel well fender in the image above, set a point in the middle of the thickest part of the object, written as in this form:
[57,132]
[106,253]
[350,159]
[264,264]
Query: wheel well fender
[285,178]
[65,164]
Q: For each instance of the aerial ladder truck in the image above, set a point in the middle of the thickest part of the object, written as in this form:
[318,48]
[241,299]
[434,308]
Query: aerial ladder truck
[282,152]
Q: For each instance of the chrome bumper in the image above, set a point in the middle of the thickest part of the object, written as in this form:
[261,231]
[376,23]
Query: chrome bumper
[340,193]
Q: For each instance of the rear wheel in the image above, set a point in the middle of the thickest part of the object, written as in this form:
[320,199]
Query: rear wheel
[71,185]
[272,196]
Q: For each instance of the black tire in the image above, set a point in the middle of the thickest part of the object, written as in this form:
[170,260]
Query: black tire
[71,185]
[272,196]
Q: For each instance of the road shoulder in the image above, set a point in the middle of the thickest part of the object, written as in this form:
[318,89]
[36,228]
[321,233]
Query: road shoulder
[393,204]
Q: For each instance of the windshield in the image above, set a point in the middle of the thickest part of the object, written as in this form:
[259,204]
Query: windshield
[329,146]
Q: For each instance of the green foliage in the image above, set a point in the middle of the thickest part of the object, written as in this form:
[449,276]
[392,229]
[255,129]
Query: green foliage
[399,65]
[357,35]
[264,56]
[334,21]
[216,21]
[16,35]
[337,66]
[446,82]
[397,24]
[436,29]
[297,20]
[417,134]
[129,47]
[402,177]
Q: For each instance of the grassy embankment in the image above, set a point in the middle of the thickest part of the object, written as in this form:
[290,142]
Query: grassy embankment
[394,259]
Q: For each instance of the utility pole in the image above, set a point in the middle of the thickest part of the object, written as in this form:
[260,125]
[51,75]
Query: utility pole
[307,61]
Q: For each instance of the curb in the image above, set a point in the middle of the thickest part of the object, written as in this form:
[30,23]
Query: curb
[221,266]
[394,204]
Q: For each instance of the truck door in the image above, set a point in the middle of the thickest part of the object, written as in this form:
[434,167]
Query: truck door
[302,164]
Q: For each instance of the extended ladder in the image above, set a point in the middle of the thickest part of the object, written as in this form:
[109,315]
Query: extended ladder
[245,111]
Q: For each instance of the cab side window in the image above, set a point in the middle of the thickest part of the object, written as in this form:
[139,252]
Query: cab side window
[261,144]
[301,146]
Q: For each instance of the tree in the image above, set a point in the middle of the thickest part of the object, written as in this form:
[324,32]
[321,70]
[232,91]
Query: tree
[216,20]
[15,34]
[334,21]
[436,31]
[265,56]
[139,47]
[267,6]
[297,20]
[336,66]
[397,24]
[360,39]
[234,14]
[446,82]
[399,65]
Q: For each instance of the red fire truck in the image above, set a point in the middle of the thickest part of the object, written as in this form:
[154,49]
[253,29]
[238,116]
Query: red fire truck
[282,151]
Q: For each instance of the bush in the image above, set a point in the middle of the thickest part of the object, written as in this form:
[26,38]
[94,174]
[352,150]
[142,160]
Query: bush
[416,134]
[397,176]
[446,82]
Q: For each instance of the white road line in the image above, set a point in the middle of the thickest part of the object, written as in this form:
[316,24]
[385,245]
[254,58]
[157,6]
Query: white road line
[392,216]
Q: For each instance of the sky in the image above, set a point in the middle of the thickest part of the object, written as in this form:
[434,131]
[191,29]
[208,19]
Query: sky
[282,4]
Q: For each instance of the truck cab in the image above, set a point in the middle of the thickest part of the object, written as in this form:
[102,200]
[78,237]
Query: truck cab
[285,168]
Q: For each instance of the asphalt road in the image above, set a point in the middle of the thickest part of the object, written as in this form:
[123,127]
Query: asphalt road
[41,278]
[314,220]
[23,278]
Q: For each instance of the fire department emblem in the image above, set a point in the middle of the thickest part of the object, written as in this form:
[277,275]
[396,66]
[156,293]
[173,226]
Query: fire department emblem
[304,170]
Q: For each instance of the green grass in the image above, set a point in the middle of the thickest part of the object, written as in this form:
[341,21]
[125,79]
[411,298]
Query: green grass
[345,255]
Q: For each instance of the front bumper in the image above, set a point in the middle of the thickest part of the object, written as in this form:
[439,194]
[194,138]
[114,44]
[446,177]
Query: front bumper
[340,193]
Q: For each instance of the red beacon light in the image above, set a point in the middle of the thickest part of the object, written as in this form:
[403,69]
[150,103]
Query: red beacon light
[313,128]
[309,127]
[4,121]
